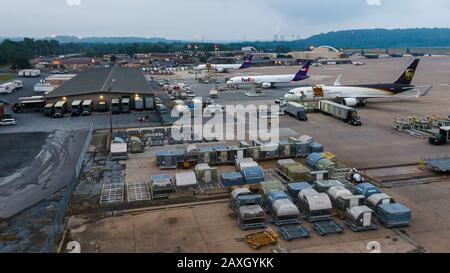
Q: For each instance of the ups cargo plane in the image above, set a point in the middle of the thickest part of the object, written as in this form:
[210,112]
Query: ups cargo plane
[353,95]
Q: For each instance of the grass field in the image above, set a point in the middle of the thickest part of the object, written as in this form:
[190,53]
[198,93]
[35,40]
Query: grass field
[6,76]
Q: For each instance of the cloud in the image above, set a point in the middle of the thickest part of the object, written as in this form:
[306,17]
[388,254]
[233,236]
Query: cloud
[374,2]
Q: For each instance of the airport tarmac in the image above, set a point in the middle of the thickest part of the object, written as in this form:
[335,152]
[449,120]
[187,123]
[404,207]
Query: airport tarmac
[375,144]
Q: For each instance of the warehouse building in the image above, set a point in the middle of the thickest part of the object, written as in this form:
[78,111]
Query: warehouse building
[98,84]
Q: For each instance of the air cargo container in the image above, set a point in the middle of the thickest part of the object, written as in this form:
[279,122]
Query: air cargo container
[205,174]
[253,175]
[232,179]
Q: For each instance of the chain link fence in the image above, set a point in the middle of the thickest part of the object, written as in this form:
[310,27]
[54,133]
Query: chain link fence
[58,224]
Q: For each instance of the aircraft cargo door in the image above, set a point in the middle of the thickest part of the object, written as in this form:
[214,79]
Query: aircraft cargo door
[318,91]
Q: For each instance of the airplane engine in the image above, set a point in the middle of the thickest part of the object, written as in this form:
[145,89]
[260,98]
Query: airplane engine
[350,102]
[266,85]
[220,70]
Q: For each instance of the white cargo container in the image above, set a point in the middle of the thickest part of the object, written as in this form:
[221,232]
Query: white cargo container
[29,73]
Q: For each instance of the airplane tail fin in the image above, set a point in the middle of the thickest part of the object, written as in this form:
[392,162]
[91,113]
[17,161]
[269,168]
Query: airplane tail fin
[247,63]
[407,75]
[303,72]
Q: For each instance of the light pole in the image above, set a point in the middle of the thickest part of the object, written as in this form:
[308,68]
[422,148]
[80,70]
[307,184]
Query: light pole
[110,108]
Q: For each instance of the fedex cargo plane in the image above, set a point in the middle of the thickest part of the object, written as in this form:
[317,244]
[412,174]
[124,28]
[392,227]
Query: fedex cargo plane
[353,95]
[268,81]
[225,67]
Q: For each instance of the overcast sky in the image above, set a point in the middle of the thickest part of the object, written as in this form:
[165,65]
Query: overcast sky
[214,19]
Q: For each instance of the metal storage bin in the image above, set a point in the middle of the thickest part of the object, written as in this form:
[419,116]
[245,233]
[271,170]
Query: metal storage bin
[297,172]
[312,159]
[237,192]
[367,189]
[315,206]
[186,181]
[223,155]
[167,159]
[206,155]
[254,152]
[251,217]
[274,196]
[205,174]
[253,175]
[343,199]
[284,212]
[245,162]
[266,187]
[325,185]
[191,153]
[293,189]
[237,153]
[283,164]
[377,199]
[326,165]
[360,219]
[394,215]
[232,179]
[316,147]
[270,151]
[162,185]
[286,149]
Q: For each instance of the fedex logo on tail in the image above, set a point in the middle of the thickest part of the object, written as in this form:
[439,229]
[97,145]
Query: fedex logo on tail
[302,74]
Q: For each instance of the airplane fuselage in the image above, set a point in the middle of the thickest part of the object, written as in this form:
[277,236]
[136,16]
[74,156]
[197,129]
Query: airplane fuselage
[359,92]
[272,79]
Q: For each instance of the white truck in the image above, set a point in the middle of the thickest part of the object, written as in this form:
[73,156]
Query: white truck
[7,88]
[343,112]
[297,110]
[213,94]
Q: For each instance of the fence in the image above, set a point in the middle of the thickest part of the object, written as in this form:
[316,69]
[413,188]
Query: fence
[58,223]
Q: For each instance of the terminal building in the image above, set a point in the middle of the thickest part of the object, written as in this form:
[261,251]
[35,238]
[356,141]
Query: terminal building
[322,54]
[99,84]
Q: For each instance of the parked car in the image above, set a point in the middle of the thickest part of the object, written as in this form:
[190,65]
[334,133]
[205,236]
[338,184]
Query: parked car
[7,122]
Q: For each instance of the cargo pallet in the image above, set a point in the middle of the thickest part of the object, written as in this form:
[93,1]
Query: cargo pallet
[326,227]
[293,232]
[261,239]
[356,228]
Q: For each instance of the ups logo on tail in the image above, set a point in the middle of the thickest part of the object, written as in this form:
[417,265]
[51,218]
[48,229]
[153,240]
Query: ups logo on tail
[409,74]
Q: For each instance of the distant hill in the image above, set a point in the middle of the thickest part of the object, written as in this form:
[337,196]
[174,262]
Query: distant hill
[368,38]
[112,40]
[383,38]
[361,38]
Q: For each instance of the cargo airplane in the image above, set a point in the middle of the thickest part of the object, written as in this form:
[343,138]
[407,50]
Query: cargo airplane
[268,81]
[357,95]
[225,67]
